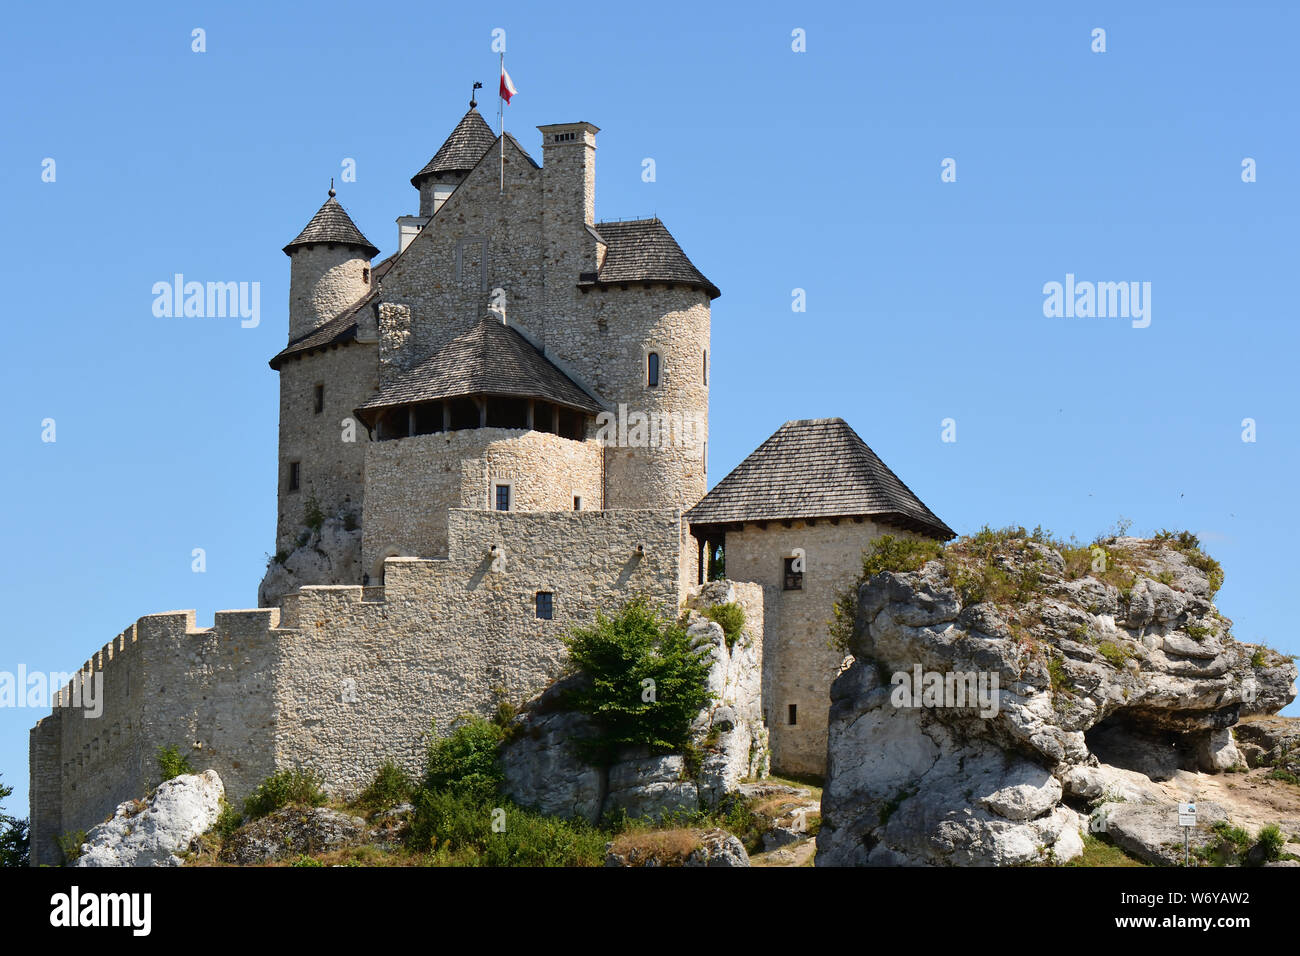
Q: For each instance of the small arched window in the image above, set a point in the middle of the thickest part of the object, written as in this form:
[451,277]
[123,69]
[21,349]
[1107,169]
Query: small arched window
[652,369]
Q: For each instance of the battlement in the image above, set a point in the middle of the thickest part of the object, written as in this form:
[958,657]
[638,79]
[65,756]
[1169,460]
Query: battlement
[343,677]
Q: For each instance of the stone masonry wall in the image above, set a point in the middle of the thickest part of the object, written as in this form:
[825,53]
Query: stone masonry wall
[414,482]
[349,676]
[323,281]
[799,664]
[331,467]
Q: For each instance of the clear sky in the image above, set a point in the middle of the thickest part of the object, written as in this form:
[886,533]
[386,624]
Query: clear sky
[776,170]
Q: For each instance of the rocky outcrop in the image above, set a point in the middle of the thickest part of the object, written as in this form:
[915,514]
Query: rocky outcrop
[710,848]
[292,832]
[330,554]
[1270,742]
[1096,685]
[156,830]
[542,768]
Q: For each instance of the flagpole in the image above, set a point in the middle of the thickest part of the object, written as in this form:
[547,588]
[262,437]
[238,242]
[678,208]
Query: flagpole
[501,121]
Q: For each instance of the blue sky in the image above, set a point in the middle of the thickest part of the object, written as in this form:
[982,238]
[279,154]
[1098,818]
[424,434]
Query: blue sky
[776,170]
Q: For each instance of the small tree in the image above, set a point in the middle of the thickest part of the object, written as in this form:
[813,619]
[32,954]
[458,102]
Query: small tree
[646,681]
[13,835]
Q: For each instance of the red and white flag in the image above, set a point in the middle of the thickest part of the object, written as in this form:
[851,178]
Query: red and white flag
[507,88]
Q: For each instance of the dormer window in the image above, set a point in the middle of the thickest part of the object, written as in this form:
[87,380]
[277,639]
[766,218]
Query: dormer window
[652,369]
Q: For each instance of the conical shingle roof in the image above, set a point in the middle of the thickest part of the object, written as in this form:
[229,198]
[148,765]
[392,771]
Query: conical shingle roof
[815,468]
[489,359]
[332,224]
[466,145]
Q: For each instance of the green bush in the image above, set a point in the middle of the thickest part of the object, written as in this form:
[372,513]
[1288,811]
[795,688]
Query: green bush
[229,820]
[171,763]
[1115,655]
[312,515]
[70,844]
[389,787]
[646,682]
[14,844]
[731,618]
[286,788]
[465,761]
[462,829]
[1270,840]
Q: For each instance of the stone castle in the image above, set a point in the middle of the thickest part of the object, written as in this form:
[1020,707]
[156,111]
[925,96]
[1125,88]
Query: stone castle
[485,438]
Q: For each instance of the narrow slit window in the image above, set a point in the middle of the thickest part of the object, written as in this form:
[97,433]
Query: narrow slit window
[295,475]
[793,714]
[652,369]
[319,399]
[577,502]
[793,578]
[705,370]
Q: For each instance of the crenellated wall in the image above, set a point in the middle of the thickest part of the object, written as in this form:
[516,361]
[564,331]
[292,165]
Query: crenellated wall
[345,677]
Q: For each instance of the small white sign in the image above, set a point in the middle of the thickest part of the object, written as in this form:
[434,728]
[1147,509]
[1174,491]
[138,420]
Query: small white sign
[1187,814]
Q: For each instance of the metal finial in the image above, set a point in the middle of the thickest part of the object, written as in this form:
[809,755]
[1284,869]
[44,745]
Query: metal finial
[472,102]
[332,192]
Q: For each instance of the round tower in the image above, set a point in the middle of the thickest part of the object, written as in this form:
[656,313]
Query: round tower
[453,161]
[330,268]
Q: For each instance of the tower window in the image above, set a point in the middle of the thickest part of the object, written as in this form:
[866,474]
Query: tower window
[652,369]
[792,715]
[503,497]
[320,399]
[577,502]
[705,370]
[793,578]
[365,274]
[545,605]
[295,475]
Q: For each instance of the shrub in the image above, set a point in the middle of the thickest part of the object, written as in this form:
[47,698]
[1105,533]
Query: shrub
[286,788]
[171,763]
[1057,674]
[228,821]
[1269,841]
[389,787]
[70,844]
[312,515]
[731,618]
[465,761]
[647,683]
[1115,655]
[462,829]
[1259,658]
[13,836]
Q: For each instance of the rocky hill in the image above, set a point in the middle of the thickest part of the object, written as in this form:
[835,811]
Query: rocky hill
[1106,671]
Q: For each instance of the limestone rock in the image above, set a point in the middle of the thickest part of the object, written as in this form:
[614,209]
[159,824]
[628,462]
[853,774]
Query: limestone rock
[1151,831]
[1100,695]
[652,787]
[543,771]
[153,831]
[328,555]
[1270,742]
[711,848]
[291,832]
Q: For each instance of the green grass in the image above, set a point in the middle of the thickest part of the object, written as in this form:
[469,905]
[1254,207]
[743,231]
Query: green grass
[1097,852]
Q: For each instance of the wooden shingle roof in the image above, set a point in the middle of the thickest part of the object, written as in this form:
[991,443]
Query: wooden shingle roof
[466,145]
[643,250]
[815,468]
[338,330]
[489,359]
[332,224]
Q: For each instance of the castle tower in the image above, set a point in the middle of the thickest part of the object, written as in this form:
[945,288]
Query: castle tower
[327,369]
[330,268]
[461,152]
